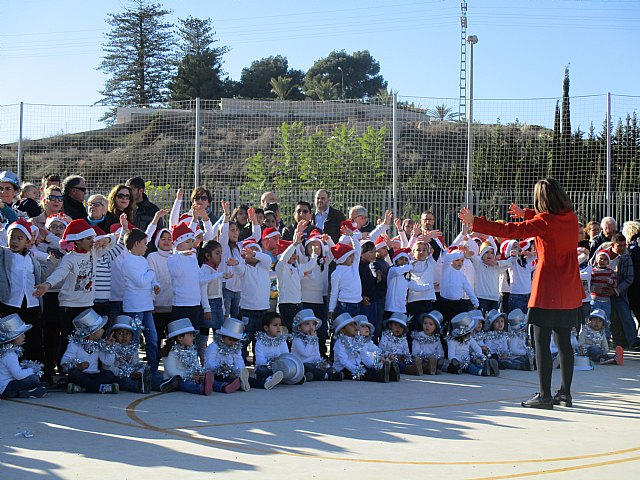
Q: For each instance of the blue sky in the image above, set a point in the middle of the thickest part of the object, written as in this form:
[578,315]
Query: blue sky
[49,51]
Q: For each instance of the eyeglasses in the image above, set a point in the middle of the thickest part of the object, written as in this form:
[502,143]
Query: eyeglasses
[82,189]
[123,196]
[55,198]
[201,198]
[95,204]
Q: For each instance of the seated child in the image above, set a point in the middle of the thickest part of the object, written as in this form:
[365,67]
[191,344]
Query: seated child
[371,355]
[17,379]
[224,358]
[132,374]
[270,344]
[182,369]
[593,341]
[464,353]
[80,359]
[395,346]
[348,355]
[496,339]
[305,345]
[518,340]
[427,344]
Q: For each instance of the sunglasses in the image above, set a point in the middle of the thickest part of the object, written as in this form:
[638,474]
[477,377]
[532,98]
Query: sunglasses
[55,198]
[201,198]
[82,189]
[123,196]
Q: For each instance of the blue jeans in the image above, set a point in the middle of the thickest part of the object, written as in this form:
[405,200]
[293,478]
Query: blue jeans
[150,337]
[595,352]
[190,386]
[518,300]
[371,312]
[473,369]
[352,309]
[252,320]
[623,312]
[231,303]
[15,386]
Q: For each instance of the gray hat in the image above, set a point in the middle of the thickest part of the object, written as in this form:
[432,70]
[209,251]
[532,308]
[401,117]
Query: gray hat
[601,314]
[434,315]
[476,315]
[517,319]
[492,316]
[342,321]
[233,328]
[291,367]
[125,322]
[178,327]
[364,320]
[11,327]
[10,177]
[462,324]
[89,322]
[306,315]
[400,318]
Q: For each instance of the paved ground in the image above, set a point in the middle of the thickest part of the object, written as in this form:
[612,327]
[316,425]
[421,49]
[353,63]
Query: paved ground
[446,426]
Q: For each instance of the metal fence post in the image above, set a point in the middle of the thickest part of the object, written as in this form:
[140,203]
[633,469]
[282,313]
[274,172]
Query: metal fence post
[394,154]
[608,154]
[196,157]
[20,166]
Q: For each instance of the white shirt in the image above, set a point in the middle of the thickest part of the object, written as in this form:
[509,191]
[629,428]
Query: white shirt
[315,284]
[139,281]
[307,349]
[345,281]
[215,361]
[213,288]
[75,351]
[344,357]
[256,282]
[10,369]
[521,277]
[186,280]
[453,282]
[268,348]
[424,345]
[488,278]
[397,287]
[423,273]
[158,263]
[391,344]
[290,277]
[234,283]
[22,281]
[462,351]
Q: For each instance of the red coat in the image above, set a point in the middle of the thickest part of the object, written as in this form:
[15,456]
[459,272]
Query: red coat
[556,281]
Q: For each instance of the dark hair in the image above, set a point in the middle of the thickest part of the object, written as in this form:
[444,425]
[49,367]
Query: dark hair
[113,208]
[305,204]
[234,214]
[368,246]
[198,191]
[52,177]
[134,236]
[207,247]
[550,197]
[70,182]
[270,212]
[168,343]
[426,315]
[136,182]
[259,211]
[268,318]
[618,237]
[273,207]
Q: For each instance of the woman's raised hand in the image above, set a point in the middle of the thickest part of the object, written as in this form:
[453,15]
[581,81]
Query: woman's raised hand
[515,211]
[466,216]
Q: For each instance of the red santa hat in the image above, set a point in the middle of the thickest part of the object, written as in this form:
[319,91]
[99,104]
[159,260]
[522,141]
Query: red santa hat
[401,253]
[314,236]
[397,240]
[525,244]
[251,243]
[116,228]
[54,218]
[506,247]
[77,230]
[341,252]
[22,225]
[270,232]
[607,253]
[181,233]
[454,253]
[350,224]
[380,243]
[283,245]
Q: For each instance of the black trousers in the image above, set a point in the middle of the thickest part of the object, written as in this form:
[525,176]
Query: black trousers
[33,348]
[562,338]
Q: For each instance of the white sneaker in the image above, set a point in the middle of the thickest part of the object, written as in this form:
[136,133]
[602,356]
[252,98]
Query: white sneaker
[244,380]
[273,380]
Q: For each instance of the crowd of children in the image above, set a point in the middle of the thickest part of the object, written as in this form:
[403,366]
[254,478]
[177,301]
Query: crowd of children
[228,292]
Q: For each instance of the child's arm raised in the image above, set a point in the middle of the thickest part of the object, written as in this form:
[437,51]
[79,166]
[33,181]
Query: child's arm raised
[174,216]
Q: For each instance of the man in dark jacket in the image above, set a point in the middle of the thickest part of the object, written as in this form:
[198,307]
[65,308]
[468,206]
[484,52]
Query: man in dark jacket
[74,189]
[302,212]
[326,217]
[146,210]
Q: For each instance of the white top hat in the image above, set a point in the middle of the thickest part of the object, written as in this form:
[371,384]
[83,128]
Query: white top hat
[11,327]
[341,321]
[232,327]
[436,316]
[178,327]
[476,315]
[492,316]
[364,320]
[124,322]
[291,367]
[517,319]
[89,322]
[462,324]
[306,315]
[400,318]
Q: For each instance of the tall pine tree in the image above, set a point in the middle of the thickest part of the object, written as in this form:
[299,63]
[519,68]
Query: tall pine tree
[137,56]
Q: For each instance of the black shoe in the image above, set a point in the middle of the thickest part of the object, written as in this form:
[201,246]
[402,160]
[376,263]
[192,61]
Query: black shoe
[494,367]
[394,372]
[563,399]
[170,385]
[37,392]
[545,403]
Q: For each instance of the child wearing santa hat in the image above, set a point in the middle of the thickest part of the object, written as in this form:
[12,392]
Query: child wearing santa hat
[488,269]
[76,273]
[519,272]
[346,289]
[423,272]
[399,282]
[602,279]
[20,273]
[453,284]
[163,301]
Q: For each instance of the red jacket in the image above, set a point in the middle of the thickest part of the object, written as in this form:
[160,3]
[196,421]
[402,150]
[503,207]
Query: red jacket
[556,281]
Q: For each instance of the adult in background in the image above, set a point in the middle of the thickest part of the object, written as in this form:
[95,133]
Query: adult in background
[591,230]
[623,327]
[631,232]
[360,217]
[555,304]
[119,201]
[9,189]
[49,180]
[74,189]
[145,210]
[99,216]
[326,217]
[301,212]
[51,204]
[608,227]
[267,198]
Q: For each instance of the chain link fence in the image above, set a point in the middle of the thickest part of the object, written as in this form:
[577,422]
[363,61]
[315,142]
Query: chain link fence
[240,148]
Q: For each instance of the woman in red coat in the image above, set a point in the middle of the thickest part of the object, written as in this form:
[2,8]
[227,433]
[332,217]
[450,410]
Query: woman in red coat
[556,293]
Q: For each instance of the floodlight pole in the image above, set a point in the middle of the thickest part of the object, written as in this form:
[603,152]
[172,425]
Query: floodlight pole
[471,40]
[341,83]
